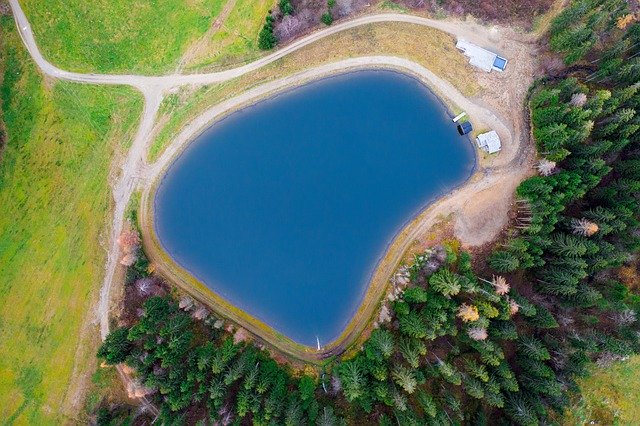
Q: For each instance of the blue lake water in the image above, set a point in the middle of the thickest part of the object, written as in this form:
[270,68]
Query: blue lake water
[285,208]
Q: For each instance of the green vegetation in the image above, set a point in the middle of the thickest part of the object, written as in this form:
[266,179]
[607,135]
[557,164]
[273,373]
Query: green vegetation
[578,221]
[236,41]
[286,8]
[392,5]
[106,389]
[451,329]
[200,364]
[266,39]
[609,396]
[585,24]
[327,17]
[456,348]
[118,35]
[55,201]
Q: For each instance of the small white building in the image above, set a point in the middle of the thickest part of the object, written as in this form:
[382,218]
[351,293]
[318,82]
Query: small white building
[482,58]
[489,142]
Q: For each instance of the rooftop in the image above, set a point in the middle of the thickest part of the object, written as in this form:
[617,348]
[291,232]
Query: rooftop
[489,142]
[482,58]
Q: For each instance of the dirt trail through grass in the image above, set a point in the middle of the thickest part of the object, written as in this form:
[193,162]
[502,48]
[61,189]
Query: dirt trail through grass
[196,49]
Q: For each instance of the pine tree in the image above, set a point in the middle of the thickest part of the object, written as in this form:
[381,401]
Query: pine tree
[445,282]
[535,367]
[353,380]
[328,418]
[415,295]
[566,245]
[382,341]
[476,369]
[473,387]
[533,348]
[116,347]
[412,325]
[427,403]
[267,39]
[399,400]
[404,378]
[494,399]
[520,411]
[504,261]
[543,319]
[293,414]
[411,350]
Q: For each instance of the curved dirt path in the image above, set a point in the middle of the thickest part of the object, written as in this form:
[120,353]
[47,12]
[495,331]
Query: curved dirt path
[134,170]
[144,83]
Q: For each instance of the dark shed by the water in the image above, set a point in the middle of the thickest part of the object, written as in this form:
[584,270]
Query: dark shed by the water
[464,128]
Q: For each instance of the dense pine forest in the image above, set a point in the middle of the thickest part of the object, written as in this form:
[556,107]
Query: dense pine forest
[501,343]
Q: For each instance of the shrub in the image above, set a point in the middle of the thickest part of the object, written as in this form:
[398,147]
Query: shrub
[266,39]
[327,19]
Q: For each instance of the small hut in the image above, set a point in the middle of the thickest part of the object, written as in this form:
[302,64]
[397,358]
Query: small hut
[489,142]
[465,128]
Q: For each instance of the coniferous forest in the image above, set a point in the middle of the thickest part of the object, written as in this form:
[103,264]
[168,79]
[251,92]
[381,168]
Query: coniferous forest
[497,344]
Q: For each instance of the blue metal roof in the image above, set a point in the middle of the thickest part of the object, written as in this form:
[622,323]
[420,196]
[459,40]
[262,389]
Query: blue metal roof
[500,63]
[464,128]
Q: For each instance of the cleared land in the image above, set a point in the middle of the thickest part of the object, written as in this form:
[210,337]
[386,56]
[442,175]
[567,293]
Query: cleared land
[55,202]
[119,35]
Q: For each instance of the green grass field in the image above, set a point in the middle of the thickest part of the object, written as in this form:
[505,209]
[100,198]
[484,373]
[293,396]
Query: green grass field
[610,397]
[131,36]
[55,203]
[236,41]
[135,36]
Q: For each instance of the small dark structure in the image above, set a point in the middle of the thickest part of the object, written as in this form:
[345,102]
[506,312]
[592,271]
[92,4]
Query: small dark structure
[464,128]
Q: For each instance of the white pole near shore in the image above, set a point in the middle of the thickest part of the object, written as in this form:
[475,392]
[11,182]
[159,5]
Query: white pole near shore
[459,116]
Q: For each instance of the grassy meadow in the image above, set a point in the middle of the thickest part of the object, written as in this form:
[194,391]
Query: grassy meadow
[610,396]
[236,41]
[127,36]
[55,202]
[134,36]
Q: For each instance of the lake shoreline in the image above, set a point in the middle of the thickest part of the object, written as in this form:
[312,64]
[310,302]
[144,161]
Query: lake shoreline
[385,266]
